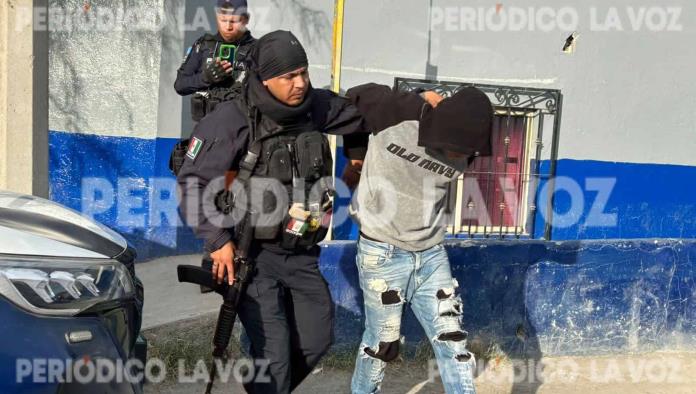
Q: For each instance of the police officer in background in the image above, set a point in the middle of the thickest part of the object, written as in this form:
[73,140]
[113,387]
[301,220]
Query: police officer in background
[215,64]
[287,310]
[213,70]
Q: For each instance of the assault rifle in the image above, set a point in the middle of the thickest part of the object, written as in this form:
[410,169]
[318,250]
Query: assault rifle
[243,271]
[243,265]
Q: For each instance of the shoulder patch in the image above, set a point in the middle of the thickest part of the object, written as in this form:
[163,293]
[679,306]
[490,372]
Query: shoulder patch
[194,148]
[188,53]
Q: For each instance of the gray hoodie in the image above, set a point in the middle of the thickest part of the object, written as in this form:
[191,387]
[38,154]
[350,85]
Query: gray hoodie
[401,197]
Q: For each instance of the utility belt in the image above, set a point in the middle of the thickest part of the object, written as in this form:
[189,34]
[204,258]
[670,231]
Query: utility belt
[291,190]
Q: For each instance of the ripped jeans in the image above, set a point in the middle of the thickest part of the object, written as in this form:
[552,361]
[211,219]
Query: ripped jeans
[390,278]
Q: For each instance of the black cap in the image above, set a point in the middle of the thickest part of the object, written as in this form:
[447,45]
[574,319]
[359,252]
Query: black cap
[232,7]
[278,53]
[461,123]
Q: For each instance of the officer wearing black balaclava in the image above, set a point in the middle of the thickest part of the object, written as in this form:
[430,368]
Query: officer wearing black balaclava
[216,63]
[287,311]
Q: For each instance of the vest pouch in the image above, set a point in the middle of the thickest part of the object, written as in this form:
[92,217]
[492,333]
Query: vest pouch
[310,238]
[210,104]
[317,225]
[178,156]
[269,198]
[313,155]
[198,107]
[287,241]
[313,238]
[278,162]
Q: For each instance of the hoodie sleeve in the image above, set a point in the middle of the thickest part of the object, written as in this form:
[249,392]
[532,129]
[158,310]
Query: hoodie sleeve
[381,108]
[338,116]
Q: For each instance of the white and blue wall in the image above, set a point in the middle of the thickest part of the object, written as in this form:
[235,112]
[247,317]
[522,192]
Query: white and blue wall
[627,116]
[629,96]
[114,114]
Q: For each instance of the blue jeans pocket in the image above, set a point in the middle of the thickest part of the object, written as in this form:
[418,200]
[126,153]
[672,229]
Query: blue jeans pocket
[372,255]
[370,261]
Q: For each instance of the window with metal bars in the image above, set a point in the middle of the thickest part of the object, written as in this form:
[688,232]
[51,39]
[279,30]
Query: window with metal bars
[497,196]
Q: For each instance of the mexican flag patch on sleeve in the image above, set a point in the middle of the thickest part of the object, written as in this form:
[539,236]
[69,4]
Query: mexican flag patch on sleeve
[194,148]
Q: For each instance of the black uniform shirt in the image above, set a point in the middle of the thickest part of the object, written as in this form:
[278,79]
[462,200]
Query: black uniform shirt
[220,141]
[189,78]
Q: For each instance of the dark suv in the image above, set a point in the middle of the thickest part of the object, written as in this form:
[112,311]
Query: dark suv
[70,303]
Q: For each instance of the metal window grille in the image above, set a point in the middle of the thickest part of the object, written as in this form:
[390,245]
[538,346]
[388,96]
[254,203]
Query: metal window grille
[498,195]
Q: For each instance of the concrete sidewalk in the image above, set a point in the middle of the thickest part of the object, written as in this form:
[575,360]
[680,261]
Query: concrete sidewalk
[167,300]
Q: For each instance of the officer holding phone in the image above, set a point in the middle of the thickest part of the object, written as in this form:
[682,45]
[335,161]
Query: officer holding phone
[215,64]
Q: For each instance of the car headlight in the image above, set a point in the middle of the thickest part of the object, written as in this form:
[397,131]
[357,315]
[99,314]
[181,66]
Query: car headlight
[60,287]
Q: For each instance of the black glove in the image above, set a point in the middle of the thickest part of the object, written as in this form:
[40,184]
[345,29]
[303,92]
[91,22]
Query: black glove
[214,73]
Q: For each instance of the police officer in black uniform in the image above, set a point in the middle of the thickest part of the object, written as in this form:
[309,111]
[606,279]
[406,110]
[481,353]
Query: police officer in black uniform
[213,70]
[287,311]
[216,64]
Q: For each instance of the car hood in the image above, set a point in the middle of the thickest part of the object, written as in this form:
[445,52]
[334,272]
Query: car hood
[34,226]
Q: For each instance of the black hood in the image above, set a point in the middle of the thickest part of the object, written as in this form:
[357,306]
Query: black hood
[462,123]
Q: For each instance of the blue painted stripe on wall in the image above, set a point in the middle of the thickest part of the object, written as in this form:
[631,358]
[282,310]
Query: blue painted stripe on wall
[649,201]
[347,230]
[75,157]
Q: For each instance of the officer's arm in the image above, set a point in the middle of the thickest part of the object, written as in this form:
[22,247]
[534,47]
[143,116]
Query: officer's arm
[189,77]
[215,146]
[337,116]
[381,108]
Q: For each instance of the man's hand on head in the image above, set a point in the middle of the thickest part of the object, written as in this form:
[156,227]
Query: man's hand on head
[432,98]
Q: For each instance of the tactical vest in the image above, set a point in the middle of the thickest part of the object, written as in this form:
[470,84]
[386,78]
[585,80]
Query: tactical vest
[203,103]
[299,161]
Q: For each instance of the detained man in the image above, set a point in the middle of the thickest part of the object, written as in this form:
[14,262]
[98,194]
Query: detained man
[400,207]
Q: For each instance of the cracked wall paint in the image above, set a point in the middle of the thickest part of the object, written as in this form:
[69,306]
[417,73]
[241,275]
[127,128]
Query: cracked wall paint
[636,299]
